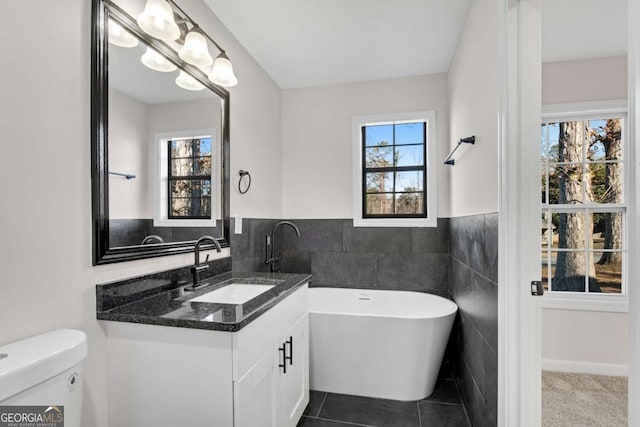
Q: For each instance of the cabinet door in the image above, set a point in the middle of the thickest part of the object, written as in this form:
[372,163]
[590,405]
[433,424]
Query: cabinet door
[255,395]
[293,386]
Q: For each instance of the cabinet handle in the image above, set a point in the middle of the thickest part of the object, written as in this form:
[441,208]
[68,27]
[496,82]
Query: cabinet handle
[290,357]
[283,349]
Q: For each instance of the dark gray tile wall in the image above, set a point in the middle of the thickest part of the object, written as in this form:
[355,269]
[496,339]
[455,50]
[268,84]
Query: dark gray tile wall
[338,254]
[127,232]
[248,248]
[131,232]
[473,283]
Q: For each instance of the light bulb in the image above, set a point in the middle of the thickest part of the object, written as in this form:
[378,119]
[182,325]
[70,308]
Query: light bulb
[195,50]
[120,37]
[157,20]
[222,72]
[185,81]
[155,61]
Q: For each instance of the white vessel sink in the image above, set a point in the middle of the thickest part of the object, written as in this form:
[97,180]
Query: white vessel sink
[234,293]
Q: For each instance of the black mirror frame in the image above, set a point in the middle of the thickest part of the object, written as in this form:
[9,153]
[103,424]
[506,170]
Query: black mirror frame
[102,252]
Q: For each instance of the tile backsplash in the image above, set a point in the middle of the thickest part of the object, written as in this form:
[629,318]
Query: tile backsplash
[338,254]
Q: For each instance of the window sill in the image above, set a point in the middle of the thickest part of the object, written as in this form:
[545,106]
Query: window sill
[606,303]
[184,223]
[395,222]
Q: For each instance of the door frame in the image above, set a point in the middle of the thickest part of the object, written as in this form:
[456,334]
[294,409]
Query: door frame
[519,335]
[633,58]
[519,348]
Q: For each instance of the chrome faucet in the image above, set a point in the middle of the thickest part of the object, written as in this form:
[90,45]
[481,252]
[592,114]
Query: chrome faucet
[271,259]
[197,267]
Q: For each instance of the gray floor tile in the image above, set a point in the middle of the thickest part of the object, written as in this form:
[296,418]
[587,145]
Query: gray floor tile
[316,398]
[433,414]
[369,411]
[318,422]
[446,392]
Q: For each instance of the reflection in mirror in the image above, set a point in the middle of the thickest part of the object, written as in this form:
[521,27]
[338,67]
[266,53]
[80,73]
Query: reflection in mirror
[160,145]
[168,137]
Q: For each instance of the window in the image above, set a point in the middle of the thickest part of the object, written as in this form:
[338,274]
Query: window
[188,170]
[189,178]
[394,184]
[583,204]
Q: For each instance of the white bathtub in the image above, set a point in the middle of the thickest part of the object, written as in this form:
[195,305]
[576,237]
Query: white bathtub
[386,344]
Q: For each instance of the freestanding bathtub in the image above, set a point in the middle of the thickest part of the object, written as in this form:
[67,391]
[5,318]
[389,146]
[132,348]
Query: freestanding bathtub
[386,344]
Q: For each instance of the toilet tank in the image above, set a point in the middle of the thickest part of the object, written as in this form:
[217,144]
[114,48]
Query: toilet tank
[44,370]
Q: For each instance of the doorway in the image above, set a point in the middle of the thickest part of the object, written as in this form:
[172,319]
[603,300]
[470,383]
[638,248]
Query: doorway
[525,319]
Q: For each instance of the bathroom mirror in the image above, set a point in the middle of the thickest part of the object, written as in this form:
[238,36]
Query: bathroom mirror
[160,144]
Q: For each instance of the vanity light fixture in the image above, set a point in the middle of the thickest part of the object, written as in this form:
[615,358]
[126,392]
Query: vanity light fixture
[185,81]
[119,36]
[195,51]
[157,21]
[155,61]
[165,20]
[222,72]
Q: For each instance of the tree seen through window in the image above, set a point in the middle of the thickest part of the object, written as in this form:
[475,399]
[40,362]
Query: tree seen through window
[583,210]
[394,170]
[190,178]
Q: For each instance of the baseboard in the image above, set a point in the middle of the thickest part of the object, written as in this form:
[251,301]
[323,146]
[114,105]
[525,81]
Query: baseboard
[580,367]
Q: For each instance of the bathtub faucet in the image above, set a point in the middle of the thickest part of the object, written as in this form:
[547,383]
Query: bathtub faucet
[271,258]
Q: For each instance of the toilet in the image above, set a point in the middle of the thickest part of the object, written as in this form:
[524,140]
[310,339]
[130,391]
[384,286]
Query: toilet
[44,370]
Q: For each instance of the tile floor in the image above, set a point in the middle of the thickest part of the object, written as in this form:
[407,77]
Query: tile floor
[443,408]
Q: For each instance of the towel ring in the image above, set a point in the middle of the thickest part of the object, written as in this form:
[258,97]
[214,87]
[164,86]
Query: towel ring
[242,175]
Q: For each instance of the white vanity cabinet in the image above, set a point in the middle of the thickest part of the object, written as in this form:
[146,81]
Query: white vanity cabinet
[275,391]
[271,382]
[292,393]
[168,376]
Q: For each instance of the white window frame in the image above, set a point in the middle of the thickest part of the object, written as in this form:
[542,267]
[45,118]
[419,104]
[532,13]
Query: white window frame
[161,178]
[358,123]
[583,300]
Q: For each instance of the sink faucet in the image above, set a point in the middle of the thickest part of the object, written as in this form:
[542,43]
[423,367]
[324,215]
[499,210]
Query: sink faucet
[152,238]
[197,267]
[271,259]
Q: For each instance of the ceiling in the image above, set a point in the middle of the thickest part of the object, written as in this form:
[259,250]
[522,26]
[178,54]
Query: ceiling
[320,42]
[128,75]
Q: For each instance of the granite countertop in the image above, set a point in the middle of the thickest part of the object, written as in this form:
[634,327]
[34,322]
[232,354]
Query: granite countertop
[158,302]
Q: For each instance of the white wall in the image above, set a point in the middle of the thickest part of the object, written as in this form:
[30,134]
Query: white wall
[184,115]
[128,153]
[585,341]
[597,79]
[45,223]
[473,110]
[316,139]
[577,340]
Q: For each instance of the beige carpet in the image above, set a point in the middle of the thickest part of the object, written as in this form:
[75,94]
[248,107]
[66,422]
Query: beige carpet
[583,400]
